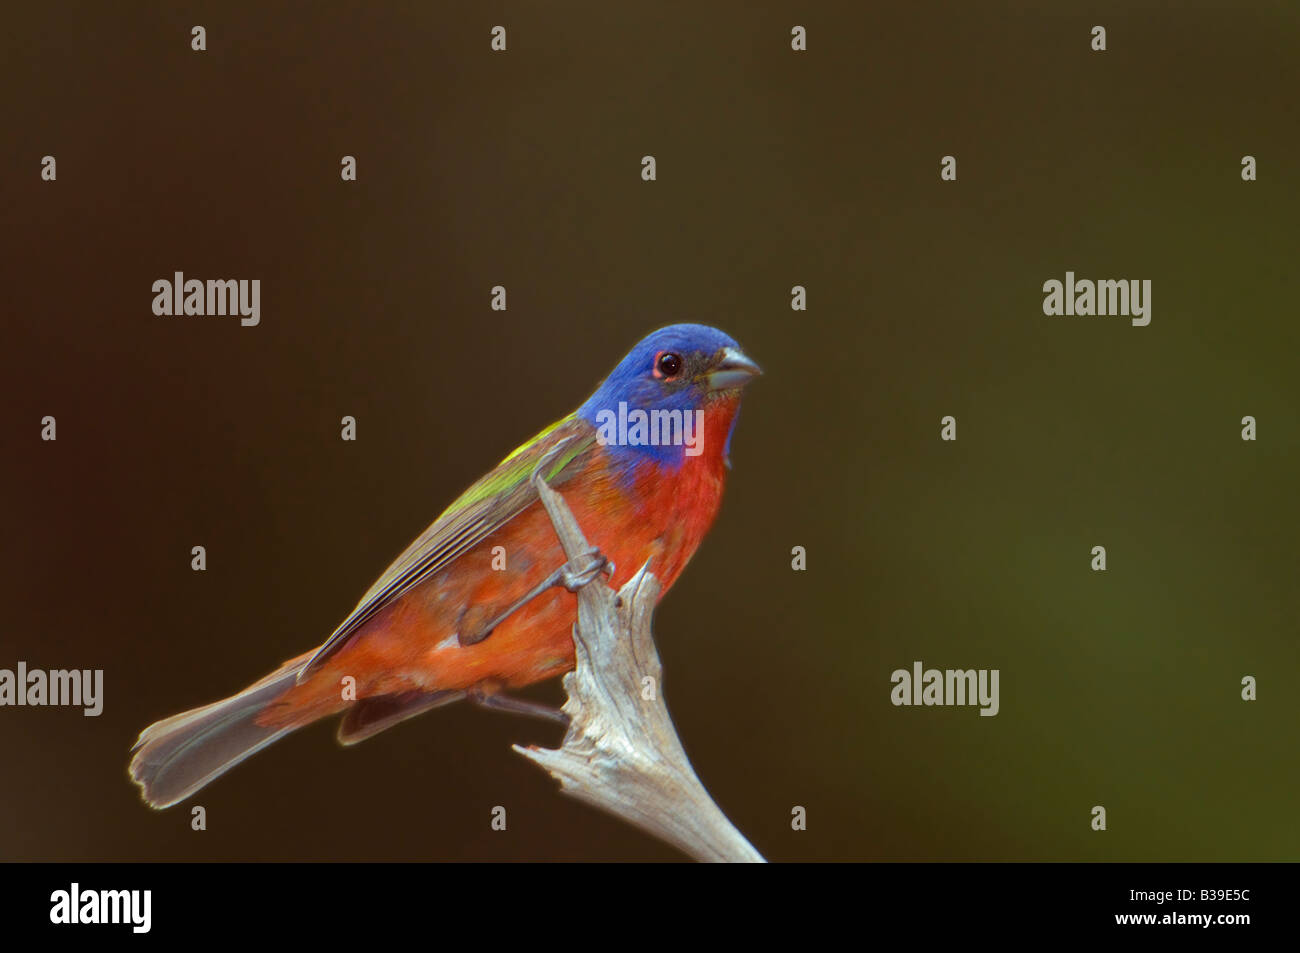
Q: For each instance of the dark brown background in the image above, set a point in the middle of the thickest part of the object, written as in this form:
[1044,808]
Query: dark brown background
[775,168]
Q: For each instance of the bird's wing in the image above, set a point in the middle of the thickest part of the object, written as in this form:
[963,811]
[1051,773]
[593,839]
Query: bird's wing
[481,510]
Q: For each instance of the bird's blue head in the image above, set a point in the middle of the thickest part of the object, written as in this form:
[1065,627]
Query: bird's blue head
[647,407]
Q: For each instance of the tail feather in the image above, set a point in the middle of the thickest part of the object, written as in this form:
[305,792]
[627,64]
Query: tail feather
[369,716]
[178,755]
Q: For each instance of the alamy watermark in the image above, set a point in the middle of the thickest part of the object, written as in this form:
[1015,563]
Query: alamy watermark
[131,907]
[179,296]
[1103,297]
[932,686]
[651,428]
[36,687]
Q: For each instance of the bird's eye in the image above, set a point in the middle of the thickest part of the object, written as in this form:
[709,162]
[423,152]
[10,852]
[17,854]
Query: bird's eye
[668,364]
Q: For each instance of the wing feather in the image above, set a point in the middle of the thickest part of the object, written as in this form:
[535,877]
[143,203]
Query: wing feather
[476,514]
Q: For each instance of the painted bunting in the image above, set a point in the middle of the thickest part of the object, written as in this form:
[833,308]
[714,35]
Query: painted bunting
[478,604]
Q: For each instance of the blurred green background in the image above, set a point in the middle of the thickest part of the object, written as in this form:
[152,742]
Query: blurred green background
[774,169]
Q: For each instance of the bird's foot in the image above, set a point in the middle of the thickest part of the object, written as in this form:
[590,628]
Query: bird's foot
[517,706]
[577,573]
[572,576]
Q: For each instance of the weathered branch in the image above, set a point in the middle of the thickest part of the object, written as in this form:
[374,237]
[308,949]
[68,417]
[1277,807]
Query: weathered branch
[621,752]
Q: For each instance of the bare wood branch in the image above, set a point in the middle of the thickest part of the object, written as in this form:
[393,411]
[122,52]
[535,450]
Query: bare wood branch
[621,753]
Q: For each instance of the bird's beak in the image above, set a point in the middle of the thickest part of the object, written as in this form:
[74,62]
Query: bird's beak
[733,370]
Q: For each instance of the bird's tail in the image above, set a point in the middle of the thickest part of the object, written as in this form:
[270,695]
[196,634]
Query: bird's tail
[178,755]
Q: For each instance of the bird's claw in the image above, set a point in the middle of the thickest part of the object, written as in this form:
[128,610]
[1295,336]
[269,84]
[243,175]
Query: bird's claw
[572,576]
[594,564]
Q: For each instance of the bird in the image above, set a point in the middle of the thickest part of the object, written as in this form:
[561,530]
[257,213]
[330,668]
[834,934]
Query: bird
[481,604]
